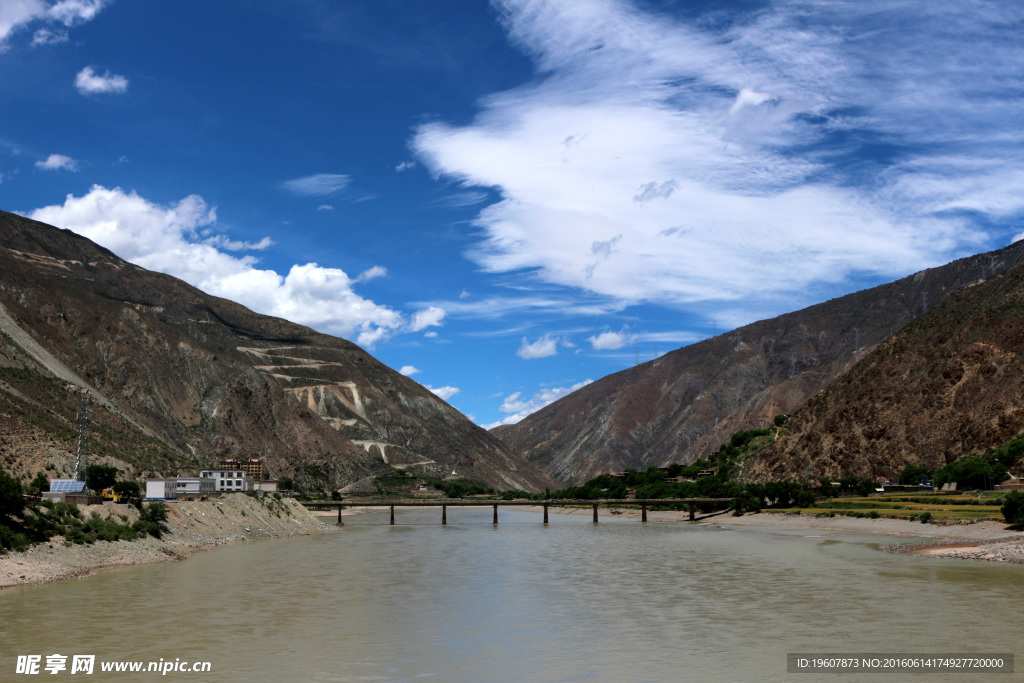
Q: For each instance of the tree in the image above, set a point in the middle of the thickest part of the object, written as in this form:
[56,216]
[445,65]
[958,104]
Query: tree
[99,477]
[128,492]
[1013,508]
[11,500]
[913,474]
[39,485]
[976,472]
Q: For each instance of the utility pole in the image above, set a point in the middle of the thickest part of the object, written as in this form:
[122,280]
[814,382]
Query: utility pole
[82,461]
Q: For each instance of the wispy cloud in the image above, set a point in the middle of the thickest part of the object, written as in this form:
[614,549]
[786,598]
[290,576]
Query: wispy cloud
[372,274]
[318,185]
[462,199]
[89,82]
[409,370]
[765,157]
[18,14]
[57,162]
[518,408]
[45,36]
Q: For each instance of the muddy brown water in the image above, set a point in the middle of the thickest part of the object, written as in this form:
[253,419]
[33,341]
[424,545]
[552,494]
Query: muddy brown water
[572,601]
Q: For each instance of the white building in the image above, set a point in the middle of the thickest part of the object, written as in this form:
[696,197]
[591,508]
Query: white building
[229,480]
[161,489]
[195,486]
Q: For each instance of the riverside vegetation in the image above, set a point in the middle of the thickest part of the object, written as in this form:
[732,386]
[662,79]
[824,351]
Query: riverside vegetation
[847,496]
[24,523]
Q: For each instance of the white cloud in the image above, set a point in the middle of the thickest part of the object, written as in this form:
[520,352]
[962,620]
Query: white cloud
[542,348]
[683,161]
[372,274]
[45,36]
[609,341]
[405,166]
[58,162]
[173,239]
[520,408]
[325,207]
[409,370]
[89,82]
[748,98]
[444,393]
[428,317]
[321,184]
[223,242]
[18,14]
[430,335]
[72,12]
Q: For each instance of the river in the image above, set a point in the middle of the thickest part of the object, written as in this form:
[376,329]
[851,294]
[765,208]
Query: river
[572,601]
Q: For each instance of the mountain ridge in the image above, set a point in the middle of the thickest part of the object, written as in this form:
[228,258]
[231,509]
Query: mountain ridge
[208,378]
[683,405]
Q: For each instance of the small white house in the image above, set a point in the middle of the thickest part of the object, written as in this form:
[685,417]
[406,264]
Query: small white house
[229,480]
[268,485]
[195,486]
[161,489]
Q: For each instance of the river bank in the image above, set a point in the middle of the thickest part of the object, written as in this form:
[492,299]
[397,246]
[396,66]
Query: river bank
[193,526]
[983,540]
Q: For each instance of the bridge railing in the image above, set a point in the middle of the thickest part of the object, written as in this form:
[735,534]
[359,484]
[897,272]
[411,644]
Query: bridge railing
[445,503]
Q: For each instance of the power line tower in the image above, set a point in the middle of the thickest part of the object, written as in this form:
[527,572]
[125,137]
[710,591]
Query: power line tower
[82,462]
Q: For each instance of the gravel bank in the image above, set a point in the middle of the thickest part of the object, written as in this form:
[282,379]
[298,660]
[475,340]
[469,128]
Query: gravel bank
[984,540]
[194,526]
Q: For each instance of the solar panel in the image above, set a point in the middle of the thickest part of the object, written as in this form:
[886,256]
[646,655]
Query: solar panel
[67,486]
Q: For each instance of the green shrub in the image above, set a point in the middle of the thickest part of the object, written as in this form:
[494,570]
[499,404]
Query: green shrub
[926,517]
[12,540]
[1013,508]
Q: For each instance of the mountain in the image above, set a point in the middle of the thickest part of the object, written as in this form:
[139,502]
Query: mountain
[949,383]
[683,405]
[182,379]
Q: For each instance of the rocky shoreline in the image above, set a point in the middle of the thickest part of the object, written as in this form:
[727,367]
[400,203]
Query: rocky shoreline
[192,527]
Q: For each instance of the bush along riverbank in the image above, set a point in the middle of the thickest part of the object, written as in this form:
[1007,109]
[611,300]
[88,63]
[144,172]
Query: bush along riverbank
[189,527]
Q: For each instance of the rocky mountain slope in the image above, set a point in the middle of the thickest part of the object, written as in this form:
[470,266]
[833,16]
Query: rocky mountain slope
[949,383]
[182,379]
[683,405]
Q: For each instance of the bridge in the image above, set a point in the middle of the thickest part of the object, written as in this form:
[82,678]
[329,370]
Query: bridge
[445,503]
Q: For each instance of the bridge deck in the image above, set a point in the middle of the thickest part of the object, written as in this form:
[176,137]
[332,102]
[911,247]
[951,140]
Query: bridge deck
[465,502]
[445,503]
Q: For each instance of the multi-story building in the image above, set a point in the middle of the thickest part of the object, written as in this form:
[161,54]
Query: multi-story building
[195,486]
[252,466]
[229,479]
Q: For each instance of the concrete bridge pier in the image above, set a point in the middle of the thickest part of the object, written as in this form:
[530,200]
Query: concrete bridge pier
[392,515]
[595,513]
[693,509]
[643,513]
[495,514]
[444,514]
[340,523]
[545,513]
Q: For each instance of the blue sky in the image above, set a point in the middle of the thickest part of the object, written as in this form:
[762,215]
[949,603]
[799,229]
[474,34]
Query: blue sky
[508,200]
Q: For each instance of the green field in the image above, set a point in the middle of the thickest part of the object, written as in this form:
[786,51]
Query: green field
[941,506]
